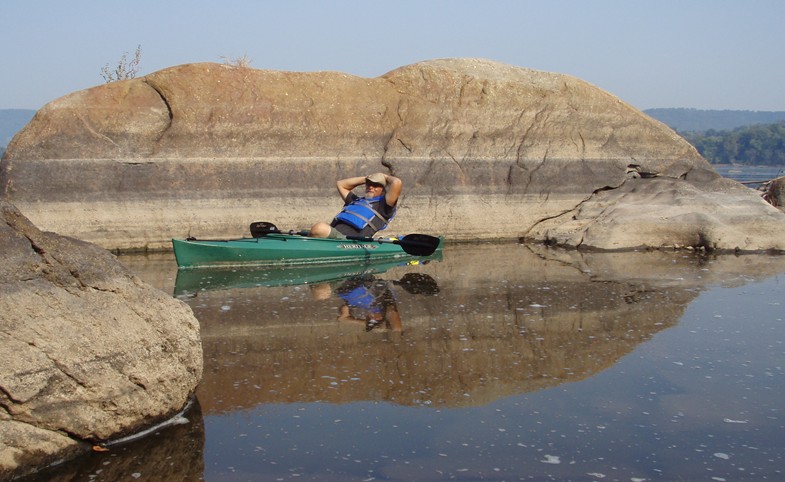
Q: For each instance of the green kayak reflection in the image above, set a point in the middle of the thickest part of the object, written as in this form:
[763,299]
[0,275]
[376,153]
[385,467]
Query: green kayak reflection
[191,282]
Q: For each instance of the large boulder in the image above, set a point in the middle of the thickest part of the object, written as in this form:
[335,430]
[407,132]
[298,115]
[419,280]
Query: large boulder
[88,352]
[668,213]
[485,150]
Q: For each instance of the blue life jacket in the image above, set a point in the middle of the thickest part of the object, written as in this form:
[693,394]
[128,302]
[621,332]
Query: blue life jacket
[361,213]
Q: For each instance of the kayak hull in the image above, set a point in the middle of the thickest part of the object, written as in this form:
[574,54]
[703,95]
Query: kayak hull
[283,249]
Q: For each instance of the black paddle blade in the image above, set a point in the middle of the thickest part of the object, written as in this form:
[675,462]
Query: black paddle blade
[263,228]
[419,244]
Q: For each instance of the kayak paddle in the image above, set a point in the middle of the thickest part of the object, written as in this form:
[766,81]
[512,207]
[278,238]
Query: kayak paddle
[413,244]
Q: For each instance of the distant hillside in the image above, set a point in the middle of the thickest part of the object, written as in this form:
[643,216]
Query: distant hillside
[695,120]
[757,145]
[11,122]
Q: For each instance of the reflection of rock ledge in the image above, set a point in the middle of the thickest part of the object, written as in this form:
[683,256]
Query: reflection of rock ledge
[501,324]
[494,347]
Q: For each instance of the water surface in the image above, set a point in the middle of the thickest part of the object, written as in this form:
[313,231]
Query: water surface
[497,362]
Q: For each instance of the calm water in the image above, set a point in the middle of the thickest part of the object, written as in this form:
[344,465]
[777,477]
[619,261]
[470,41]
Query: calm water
[750,175]
[498,362]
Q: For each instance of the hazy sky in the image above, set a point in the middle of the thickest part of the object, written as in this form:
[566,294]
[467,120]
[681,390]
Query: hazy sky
[706,54]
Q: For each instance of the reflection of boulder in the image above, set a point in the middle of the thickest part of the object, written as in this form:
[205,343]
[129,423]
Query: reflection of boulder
[505,321]
[175,452]
[485,345]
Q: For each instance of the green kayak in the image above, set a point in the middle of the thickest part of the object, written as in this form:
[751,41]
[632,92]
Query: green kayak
[294,249]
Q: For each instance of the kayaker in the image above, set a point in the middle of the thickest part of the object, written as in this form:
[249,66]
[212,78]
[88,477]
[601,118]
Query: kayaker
[362,216]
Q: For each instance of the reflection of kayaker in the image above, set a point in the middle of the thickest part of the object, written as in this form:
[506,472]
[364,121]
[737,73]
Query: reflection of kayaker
[370,301]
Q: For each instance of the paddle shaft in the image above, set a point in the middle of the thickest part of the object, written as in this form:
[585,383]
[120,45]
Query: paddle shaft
[413,244]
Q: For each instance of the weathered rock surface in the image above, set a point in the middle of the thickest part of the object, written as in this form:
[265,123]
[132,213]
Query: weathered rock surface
[678,214]
[88,352]
[485,150]
[775,192]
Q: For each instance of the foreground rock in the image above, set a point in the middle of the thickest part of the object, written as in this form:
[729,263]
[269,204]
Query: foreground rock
[485,150]
[88,352]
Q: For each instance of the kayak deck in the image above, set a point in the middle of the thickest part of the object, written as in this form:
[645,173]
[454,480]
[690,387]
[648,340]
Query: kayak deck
[282,249]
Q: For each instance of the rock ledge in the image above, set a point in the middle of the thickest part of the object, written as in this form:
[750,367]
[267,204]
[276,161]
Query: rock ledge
[485,150]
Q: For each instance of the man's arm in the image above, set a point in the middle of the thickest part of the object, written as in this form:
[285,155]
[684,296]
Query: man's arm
[393,190]
[345,186]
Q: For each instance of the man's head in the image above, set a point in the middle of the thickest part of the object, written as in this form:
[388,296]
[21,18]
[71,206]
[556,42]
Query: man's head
[374,184]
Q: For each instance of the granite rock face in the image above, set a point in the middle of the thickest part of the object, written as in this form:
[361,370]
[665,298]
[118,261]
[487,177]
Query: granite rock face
[486,151]
[88,352]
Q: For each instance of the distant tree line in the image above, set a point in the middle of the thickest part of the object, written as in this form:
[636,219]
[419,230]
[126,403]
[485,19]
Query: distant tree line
[759,145]
[699,120]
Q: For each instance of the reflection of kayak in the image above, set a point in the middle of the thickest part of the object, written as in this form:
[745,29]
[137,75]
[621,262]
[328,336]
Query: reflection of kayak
[190,281]
[290,249]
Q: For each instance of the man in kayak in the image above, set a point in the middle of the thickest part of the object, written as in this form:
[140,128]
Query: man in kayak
[362,216]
